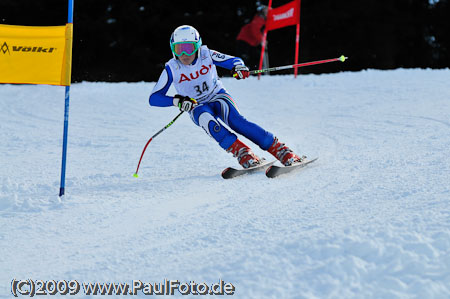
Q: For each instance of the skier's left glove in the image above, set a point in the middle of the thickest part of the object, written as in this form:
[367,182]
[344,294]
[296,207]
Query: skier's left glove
[240,72]
[185,103]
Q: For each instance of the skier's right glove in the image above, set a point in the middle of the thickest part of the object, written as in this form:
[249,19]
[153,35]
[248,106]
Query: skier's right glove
[185,103]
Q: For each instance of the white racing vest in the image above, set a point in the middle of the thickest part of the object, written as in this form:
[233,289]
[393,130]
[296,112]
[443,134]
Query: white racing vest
[199,80]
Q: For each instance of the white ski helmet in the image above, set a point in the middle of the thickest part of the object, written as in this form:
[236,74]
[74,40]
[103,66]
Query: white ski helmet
[185,40]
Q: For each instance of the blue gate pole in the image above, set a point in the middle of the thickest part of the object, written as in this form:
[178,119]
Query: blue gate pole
[66,118]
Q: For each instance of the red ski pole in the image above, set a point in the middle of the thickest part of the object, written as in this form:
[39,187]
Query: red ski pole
[277,68]
[151,138]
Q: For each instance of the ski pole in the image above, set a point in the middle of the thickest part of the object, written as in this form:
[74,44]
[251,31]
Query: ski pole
[151,138]
[277,68]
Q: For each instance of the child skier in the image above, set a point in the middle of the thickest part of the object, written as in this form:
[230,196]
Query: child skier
[193,72]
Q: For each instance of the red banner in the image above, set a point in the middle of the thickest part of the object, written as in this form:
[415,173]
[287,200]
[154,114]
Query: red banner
[286,15]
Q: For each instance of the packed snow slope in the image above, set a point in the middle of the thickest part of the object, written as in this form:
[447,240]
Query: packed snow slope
[369,219]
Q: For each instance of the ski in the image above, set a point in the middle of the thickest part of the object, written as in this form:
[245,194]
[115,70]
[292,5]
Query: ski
[275,171]
[231,172]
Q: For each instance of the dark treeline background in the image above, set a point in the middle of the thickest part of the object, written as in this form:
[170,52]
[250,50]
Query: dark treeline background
[128,40]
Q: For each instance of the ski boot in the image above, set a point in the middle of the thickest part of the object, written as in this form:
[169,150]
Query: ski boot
[283,153]
[244,154]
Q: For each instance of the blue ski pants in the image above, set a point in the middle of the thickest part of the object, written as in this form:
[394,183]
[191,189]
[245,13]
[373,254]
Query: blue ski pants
[222,107]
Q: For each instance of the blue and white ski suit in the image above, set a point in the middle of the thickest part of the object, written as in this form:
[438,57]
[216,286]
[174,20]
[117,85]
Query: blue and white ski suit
[200,81]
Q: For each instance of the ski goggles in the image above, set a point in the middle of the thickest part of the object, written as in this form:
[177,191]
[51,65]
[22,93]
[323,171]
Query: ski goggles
[187,48]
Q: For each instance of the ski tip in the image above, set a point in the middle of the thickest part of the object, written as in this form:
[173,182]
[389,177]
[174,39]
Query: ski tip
[225,173]
[343,58]
[135,175]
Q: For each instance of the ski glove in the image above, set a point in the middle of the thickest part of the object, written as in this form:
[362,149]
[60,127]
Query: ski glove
[185,103]
[240,72]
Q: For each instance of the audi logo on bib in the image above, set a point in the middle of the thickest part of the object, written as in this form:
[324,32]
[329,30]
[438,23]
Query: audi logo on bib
[203,71]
